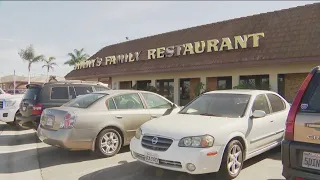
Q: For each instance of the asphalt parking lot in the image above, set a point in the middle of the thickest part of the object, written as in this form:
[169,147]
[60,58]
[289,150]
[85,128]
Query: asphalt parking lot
[22,156]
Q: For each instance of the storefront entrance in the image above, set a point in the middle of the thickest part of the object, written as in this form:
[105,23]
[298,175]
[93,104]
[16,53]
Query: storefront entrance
[184,92]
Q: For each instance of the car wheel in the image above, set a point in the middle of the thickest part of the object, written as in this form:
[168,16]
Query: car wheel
[108,142]
[232,160]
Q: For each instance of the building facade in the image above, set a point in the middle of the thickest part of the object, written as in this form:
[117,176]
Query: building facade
[272,51]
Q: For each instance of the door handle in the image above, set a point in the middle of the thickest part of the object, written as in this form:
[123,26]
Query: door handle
[119,117]
[271,121]
[154,116]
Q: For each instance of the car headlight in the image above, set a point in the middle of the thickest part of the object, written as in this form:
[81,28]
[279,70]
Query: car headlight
[197,141]
[138,133]
[9,103]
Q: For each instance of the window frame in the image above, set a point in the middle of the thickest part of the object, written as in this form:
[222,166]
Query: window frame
[50,95]
[117,109]
[145,101]
[283,103]
[111,98]
[269,105]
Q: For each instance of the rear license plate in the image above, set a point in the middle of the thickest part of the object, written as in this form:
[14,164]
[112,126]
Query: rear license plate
[151,158]
[311,160]
[49,121]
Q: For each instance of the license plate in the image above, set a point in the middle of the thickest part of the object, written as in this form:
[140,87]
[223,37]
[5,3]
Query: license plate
[151,158]
[49,121]
[311,160]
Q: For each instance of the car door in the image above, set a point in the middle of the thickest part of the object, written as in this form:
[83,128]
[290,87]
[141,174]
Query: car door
[279,115]
[157,105]
[260,129]
[128,109]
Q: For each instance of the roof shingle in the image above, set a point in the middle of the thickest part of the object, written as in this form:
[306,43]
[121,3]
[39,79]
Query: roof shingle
[291,35]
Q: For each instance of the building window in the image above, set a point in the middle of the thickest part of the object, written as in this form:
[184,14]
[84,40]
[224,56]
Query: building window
[143,85]
[224,82]
[165,88]
[255,82]
[125,85]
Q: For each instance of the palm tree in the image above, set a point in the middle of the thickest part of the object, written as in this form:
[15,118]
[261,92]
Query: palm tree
[29,55]
[76,57]
[49,64]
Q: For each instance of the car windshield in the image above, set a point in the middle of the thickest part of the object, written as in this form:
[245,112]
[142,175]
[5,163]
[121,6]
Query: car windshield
[84,101]
[218,104]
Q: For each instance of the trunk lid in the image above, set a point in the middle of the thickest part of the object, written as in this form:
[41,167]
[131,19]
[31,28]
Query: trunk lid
[30,100]
[52,117]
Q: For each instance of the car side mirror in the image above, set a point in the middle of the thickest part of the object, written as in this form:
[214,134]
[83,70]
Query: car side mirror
[258,114]
[173,106]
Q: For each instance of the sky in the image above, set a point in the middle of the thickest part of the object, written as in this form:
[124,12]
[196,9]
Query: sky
[56,28]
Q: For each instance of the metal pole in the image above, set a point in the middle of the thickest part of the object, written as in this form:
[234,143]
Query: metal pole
[14,82]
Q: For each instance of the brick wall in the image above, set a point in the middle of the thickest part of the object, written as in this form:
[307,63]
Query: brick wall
[292,83]
[212,83]
[193,83]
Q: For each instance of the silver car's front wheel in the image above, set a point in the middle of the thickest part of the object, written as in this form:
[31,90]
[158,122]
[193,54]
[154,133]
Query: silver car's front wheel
[109,142]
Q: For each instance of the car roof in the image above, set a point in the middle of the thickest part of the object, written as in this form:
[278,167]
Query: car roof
[241,91]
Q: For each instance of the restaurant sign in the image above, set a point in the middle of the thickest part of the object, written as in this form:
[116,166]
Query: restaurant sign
[198,47]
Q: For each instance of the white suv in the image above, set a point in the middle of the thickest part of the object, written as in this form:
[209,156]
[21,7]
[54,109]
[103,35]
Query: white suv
[9,107]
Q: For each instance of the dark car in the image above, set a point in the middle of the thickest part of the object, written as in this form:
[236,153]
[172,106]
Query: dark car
[53,94]
[301,144]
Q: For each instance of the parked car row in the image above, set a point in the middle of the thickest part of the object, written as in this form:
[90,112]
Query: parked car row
[216,132]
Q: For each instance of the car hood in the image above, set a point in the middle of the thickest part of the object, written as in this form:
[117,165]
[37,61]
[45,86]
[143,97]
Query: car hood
[178,126]
[3,96]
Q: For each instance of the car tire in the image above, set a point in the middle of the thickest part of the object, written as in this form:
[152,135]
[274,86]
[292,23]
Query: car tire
[232,160]
[108,142]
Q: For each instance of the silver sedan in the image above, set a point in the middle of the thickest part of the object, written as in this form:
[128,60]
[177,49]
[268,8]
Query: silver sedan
[101,121]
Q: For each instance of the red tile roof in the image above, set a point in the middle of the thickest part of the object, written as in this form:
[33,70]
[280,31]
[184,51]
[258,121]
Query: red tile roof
[291,35]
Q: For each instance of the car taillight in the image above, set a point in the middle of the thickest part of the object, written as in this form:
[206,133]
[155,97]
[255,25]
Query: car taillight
[289,132]
[69,121]
[37,109]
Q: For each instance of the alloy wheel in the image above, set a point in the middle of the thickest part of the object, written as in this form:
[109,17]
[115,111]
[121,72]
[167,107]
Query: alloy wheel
[235,159]
[109,143]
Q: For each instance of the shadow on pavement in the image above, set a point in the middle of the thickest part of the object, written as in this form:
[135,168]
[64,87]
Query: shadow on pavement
[26,160]
[274,154]
[19,139]
[6,127]
[137,170]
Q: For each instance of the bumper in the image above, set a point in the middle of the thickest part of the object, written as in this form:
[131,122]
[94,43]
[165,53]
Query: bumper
[64,138]
[176,158]
[289,154]
[7,115]
[28,122]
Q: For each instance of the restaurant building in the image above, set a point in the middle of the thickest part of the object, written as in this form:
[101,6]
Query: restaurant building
[272,50]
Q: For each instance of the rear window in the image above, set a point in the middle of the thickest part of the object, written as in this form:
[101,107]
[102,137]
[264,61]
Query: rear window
[85,101]
[81,90]
[311,99]
[32,93]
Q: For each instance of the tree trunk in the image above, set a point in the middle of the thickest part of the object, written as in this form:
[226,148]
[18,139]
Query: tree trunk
[48,75]
[29,68]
